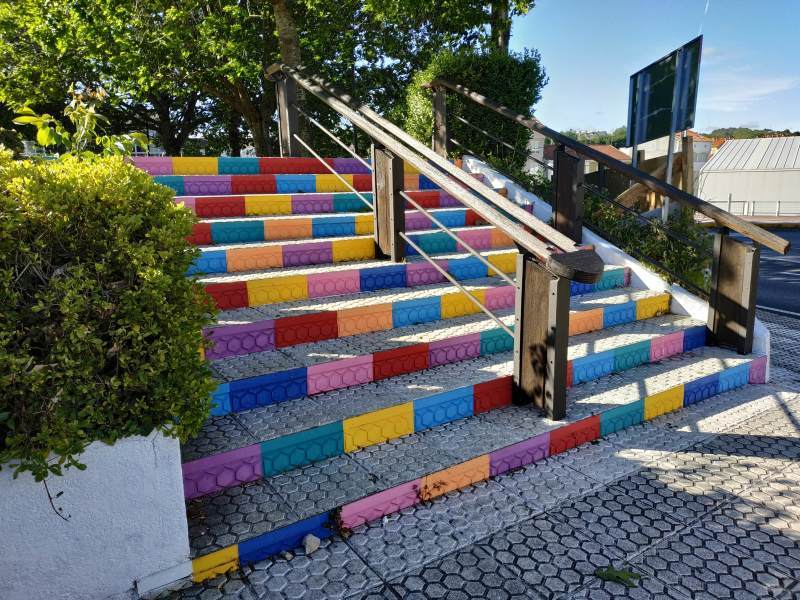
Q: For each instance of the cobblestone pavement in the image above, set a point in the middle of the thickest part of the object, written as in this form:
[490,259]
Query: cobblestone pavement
[702,503]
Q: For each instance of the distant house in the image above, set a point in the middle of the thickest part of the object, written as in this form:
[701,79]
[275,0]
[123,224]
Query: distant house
[758,176]
[701,149]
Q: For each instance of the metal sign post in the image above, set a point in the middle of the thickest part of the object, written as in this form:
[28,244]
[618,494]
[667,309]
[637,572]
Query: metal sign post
[677,104]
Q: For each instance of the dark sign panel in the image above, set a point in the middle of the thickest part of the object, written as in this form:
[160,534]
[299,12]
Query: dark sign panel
[663,95]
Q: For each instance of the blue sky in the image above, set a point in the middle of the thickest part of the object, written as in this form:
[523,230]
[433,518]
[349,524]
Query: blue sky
[749,74]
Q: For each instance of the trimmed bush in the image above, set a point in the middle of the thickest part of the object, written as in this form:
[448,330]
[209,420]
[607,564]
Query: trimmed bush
[100,329]
[514,80]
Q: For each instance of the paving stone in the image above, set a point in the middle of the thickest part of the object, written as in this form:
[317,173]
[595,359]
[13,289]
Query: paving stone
[406,540]
[235,514]
[605,461]
[272,421]
[616,521]
[403,459]
[233,586]
[548,555]
[647,588]
[315,488]
[332,571]
[701,567]
[383,592]
[545,484]
[470,573]
[219,434]
[768,535]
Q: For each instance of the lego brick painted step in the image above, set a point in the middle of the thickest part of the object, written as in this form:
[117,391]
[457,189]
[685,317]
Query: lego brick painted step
[308,369]
[315,281]
[246,331]
[260,229]
[321,506]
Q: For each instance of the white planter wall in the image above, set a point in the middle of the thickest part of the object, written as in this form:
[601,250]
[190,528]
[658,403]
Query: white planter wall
[126,531]
[683,302]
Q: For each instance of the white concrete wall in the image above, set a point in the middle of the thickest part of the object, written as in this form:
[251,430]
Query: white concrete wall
[642,277]
[126,531]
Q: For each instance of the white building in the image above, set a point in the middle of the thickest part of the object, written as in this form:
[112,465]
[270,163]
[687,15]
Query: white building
[701,150]
[754,177]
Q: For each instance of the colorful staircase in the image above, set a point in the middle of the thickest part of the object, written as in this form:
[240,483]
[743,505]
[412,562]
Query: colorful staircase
[352,387]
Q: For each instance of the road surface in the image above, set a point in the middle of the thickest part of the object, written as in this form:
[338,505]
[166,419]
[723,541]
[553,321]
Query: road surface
[779,276]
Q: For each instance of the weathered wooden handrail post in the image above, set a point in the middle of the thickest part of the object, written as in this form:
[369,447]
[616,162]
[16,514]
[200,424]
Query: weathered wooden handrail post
[389,206]
[540,338]
[732,303]
[568,194]
[440,139]
[286,91]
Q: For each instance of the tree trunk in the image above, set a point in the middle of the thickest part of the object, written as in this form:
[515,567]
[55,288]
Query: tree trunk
[234,134]
[501,25]
[288,41]
[260,133]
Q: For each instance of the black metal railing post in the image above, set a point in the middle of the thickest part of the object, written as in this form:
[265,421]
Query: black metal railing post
[389,206]
[440,139]
[540,338]
[732,302]
[286,92]
[568,193]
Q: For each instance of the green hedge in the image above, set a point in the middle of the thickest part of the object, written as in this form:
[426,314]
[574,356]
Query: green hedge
[514,80]
[100,329]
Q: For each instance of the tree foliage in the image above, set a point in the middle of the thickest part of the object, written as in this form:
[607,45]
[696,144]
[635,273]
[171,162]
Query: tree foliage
[514,80]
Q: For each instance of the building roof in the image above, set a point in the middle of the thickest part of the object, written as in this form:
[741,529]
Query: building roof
[758,154]
[611,151]
[697,137]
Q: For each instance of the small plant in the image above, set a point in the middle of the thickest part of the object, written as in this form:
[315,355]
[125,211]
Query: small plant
[100,329]
[86,122]
[625,577]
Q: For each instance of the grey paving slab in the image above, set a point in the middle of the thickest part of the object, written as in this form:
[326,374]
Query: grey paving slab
[545,484]
[548,555]
[332,571]
[324,485]
[467,574]
[702,568]
[785,339]
[403,459]
[616,521]
[235,514]
[219,434]
[287,243]
[647,588]
[233,586]
[406,540]
[268,422]
[610,298]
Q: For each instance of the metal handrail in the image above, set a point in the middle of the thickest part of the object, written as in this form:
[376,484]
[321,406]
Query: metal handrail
[332,170]
[466,246]
[721,217]
[560,257]
[456,283]
[332,136]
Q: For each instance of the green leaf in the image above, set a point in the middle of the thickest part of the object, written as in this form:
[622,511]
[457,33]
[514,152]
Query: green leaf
[45,136]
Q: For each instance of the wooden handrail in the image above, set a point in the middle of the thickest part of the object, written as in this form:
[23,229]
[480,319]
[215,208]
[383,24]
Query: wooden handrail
[718,215]
[571,262]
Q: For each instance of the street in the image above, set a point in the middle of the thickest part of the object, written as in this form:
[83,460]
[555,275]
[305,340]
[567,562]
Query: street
[779,276]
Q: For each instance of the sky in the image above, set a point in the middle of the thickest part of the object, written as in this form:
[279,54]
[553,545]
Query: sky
[749,72]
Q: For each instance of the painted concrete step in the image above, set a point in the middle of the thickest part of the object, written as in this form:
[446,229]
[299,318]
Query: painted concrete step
[208,185]
[234,258]
[272,377]
[250,330]
[367,414]
[238,290]
[344,492]
[275,204]
[307,430]
[320,182]
[265,229]
[234,165]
